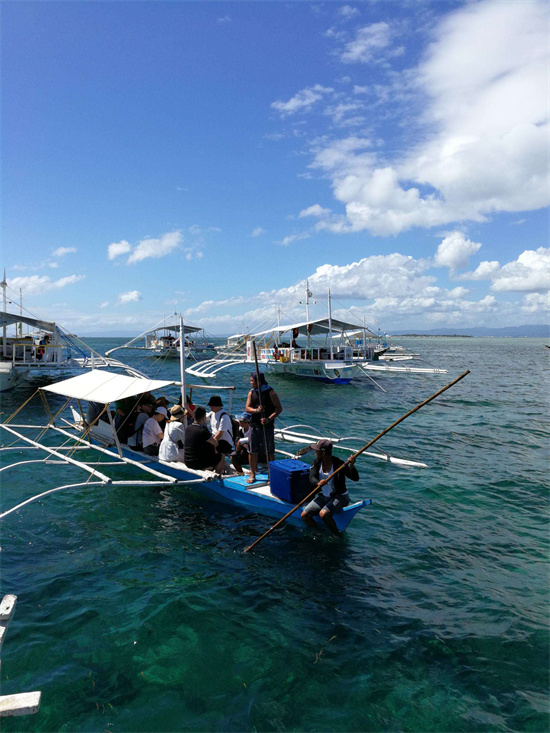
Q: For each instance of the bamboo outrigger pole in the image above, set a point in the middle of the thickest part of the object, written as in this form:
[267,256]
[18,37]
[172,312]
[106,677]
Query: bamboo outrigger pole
[354,456]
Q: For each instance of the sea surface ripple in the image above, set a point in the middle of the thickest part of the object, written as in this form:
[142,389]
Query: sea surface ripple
[138,611]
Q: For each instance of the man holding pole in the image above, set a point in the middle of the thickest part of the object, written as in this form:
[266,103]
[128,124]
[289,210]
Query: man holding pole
[333,495]
[263,410]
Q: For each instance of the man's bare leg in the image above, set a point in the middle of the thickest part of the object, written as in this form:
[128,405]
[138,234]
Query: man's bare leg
[253,457]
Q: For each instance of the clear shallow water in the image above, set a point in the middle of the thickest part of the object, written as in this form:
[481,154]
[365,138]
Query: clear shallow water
[138,611]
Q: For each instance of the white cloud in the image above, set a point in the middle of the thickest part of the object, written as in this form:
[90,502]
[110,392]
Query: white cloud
[224,19]
[368,42]
[118,248]
[196,230]
[301,101]
[104,304]
[257,232]
[484,125]
[315,210]
[529,273]
[61,251]
[293,238]
[132,296]
[348,12]
[537,302]
[36,284]
[458,292]
[156,247]
[455,251]
[484,271]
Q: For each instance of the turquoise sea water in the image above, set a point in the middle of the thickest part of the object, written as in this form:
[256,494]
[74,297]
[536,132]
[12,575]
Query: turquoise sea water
[138,611]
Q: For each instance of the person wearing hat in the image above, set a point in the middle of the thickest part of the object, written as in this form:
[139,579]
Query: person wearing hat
[152,432]
[333,495]
[262,420]
[174,435]
[220,425]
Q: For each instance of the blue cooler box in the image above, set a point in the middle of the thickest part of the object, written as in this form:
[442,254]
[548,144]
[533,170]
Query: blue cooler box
[289,480]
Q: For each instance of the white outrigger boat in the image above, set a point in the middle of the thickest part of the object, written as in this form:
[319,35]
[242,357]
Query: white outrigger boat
[163,342]
[99,448]
[45,351]
[334,351]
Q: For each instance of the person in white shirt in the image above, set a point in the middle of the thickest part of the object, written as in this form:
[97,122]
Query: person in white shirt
[174,433]
[220,426]
[152,432]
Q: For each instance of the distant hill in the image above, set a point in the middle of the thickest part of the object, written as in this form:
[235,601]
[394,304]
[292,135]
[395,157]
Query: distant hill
[480,331]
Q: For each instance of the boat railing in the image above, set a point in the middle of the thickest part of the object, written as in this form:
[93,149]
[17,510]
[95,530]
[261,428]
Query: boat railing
[34,354]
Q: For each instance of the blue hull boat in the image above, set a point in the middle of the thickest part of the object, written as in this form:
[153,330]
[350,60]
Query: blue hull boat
[234,490]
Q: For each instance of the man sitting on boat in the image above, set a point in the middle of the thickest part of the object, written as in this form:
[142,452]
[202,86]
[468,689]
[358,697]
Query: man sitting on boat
[262,418]
[200,447]
[220,426]
[174,435]
[152,432]
[333,495]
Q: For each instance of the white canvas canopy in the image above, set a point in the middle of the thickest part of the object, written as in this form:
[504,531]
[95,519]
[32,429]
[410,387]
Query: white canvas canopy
[319,326]
[104,387]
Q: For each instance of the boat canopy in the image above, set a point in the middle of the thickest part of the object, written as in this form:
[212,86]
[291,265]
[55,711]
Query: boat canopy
[176,327]
[104,387]
[7,319]
[318,326]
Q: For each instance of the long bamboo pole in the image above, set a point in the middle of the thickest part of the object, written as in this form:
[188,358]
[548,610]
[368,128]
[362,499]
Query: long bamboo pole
[354,456]
[259,385]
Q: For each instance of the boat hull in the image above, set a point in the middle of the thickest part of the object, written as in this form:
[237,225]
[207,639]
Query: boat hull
[319,371]
[235,491]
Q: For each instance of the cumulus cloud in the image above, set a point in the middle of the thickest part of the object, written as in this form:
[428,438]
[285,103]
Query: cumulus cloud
[61,251]
[156,247]
[301,101]
[315,210]
[118,248]
[455,251]
[257,232]
[529,273]
[484,125]
[132,296]
[537,302]
[37,284]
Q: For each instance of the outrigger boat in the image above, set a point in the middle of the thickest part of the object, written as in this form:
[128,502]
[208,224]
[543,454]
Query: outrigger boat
[335,351]
[101,442]
[163,342]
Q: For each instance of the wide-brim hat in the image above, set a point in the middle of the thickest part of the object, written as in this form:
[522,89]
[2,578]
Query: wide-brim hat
[177,412]
[215,401]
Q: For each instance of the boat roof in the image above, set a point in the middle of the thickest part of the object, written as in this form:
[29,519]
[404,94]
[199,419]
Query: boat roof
[102,386]
[314,327]
[176,327]
[7,319]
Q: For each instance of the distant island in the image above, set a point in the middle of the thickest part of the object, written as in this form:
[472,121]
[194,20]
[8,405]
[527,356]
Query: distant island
[537,331]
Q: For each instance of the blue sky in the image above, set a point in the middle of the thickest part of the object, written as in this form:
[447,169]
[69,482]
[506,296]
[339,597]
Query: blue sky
[209,157]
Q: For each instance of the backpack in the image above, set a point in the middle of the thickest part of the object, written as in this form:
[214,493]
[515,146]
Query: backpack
[235,427]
